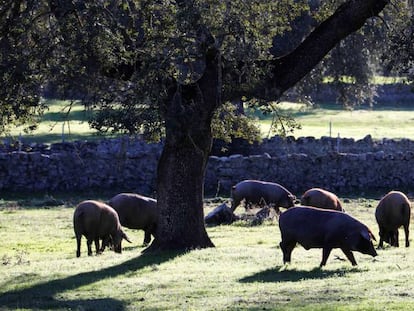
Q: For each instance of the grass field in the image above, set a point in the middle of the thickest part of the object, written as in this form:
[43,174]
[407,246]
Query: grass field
[39,270]
[329,120]
[324,120]
[59,123]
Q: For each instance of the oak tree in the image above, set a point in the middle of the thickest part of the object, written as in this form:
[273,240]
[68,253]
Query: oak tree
[163,68]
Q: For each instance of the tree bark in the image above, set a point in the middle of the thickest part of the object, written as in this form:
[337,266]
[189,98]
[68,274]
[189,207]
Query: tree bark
[181,168]
[180,198]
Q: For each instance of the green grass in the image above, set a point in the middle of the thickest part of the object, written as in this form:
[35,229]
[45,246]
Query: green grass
[325,120]
[39,270]
[330,120]
[59,123]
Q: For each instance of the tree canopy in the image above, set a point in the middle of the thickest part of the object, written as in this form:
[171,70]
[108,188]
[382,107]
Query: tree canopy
[131,48]
[165,69]
[351,69]
[134,48]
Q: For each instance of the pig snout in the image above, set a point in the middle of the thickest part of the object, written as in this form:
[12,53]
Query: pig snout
[369,250]
[365,245]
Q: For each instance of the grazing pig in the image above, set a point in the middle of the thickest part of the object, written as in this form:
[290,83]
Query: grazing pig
[256,192]
[327,229]
[392,212]
[96,220]
[321,198]
[136,212]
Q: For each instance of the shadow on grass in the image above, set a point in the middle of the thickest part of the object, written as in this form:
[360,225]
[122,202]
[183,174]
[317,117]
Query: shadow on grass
[283,274]
[45,295]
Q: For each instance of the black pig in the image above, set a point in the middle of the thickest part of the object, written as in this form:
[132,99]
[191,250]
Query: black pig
[326,229]
[96,220]
[136,212]
[257,192]
[392,212]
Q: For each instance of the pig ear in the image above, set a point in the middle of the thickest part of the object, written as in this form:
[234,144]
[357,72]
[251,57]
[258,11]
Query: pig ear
[372,236]
[367,235]
[125,237]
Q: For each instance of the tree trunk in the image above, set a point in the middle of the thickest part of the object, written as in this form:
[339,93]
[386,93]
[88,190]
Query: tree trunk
[181,168]
[180,198]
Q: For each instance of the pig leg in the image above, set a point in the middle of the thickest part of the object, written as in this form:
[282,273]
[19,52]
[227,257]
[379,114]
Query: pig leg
[105,243]
[407,242]
[395,239]
[78,245]
[234,204]
[97,249]
[147,237]
[287,249]
[89,244]
[325,254]
[350,256]
[247,204]
[382,237]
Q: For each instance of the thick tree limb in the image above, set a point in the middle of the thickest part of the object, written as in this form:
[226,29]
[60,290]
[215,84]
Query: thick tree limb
[290,69]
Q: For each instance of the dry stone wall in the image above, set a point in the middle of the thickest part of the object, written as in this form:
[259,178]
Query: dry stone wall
[344,166]
[343,173]
[118,165]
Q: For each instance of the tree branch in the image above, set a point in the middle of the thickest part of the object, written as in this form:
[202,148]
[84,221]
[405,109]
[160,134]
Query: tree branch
[290,69]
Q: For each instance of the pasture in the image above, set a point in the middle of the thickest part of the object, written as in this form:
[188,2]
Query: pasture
[61,121]
[391,121]
[382,121]
[39,269]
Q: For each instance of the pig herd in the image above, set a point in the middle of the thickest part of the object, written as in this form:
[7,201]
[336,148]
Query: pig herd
[320,220]
[99,221]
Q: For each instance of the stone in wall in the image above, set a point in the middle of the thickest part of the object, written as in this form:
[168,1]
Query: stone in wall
[298,164]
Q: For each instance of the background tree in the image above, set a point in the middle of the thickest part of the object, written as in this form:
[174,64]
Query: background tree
[348,74]
[164,68]
[399,52]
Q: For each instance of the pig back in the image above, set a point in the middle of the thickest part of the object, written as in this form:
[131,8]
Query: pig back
[278,194]
[393,210]
[321,198]
[255,191]
[302,222]
[135,211]
[314,227]
[86,219]
[95,219]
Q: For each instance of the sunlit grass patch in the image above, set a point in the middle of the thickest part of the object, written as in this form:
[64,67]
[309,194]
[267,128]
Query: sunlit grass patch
[64,120]
[326,119]
[331,120]
[245,271]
